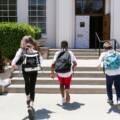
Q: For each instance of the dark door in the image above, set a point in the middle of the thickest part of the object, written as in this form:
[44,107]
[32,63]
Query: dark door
[96,25]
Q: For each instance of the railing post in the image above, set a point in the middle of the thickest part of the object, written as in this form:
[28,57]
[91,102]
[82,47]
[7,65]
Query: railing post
[115,44]
[95,41]
[99,48]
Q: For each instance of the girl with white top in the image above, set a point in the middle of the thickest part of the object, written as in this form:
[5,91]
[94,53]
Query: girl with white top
[112,75]
[28,45]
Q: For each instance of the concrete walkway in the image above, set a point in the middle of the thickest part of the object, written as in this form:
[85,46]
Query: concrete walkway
[82,107]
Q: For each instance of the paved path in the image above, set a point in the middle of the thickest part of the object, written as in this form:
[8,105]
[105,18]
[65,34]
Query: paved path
[82,107]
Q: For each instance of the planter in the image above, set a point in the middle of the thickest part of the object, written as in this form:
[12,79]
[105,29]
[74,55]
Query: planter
[44,52]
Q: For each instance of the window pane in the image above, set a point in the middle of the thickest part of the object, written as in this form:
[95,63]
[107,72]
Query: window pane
[1,7]
[98,6]
[0,13]
[5,7]
[4,1]
[33,1]
[5,13]
[41,13]
[88,5]
[32,19]
[5,19]
[1,2]
[12,19]
[12,1]
[42,19]
[12,7]
[32,7]
[0,19]
[41,7]
[41,1]
[32,13]
[78,7]
[12,13]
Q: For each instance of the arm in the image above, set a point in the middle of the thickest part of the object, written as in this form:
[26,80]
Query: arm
[100,60]
[52,74]
[16,58]
[74,61]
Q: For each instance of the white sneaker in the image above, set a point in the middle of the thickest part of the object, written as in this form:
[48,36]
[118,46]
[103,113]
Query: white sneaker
[118,102]
[63,101]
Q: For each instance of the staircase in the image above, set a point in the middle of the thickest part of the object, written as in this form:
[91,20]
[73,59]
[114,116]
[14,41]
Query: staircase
[87,78]
[79,53]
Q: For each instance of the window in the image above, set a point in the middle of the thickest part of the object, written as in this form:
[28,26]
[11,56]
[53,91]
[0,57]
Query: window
[37,14]
[89,7]
[8,10]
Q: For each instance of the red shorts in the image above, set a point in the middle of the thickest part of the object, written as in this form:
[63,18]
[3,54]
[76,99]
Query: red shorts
[65,80]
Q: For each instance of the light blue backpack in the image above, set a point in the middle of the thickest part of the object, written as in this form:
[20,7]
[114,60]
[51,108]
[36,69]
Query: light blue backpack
[111,61]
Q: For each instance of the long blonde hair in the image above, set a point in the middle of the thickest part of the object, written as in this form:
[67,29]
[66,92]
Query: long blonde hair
[28,39]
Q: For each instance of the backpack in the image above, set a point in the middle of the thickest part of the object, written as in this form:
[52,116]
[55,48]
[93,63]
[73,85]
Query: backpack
[31,62]
[111,61]
[63,62]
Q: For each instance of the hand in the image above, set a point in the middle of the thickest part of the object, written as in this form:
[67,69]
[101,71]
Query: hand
[14,66]
[52,75]
[99,67]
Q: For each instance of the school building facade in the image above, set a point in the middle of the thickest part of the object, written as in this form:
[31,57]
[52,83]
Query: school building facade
[73,20]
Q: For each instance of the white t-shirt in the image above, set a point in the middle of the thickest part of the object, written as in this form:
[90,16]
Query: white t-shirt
[73,59]
[108,72]
[18,55]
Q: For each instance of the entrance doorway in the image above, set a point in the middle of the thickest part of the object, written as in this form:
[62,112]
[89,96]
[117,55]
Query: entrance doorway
[96,25]
[90,18]
[86,26]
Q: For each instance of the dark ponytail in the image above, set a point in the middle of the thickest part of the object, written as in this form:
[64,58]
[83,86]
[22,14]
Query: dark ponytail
[64,45]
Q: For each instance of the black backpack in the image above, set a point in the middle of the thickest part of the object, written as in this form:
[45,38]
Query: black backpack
[31,62]
[63,62]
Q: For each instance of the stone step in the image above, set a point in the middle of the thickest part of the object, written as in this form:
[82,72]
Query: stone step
[84,67]
[78,50]
[79,69]
[81,57]
[89,74]
[53,89]
[50,81]
[80,53]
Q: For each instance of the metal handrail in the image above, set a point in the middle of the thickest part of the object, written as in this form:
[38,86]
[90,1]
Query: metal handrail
[100,42]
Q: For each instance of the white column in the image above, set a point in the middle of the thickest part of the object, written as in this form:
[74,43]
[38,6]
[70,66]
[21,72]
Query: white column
[115,19]
[22,11]
[51,23]
[65,22]
[107,6]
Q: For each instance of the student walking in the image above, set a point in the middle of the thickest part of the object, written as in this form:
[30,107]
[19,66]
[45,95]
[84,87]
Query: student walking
[110,59]
[63,64]
[30,60]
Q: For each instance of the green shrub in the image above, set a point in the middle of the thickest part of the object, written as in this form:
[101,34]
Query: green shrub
[11,34]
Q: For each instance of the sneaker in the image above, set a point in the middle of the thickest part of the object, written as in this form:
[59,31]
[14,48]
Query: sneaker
[63,101]
[110,102]
[31,113]
[118,102]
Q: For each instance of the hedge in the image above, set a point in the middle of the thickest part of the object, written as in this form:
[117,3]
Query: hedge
[11,34]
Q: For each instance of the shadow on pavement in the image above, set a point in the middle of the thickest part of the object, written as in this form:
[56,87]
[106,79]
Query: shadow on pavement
[41,114]
[114,108]
[71,106]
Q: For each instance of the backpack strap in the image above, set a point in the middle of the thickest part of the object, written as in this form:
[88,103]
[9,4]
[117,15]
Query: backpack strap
[60,54]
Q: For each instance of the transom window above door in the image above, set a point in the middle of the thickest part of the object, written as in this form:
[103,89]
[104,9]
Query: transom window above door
[89,7]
